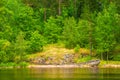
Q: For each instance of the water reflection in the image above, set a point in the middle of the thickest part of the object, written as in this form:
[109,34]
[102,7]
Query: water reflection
[60,74]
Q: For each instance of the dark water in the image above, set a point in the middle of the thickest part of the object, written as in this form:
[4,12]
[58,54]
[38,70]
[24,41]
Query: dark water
[60,74]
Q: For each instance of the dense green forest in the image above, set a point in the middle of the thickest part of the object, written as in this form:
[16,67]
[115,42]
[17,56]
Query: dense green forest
[26,26]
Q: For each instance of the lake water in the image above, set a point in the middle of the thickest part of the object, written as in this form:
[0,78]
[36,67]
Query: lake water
[60,74]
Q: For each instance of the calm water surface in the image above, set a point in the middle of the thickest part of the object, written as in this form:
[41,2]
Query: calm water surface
[60,74]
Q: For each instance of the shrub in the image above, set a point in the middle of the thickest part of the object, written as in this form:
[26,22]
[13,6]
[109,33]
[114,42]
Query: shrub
[53,29]
[116,57]
[84,59]
[70,32]
[36,42]
[77,48]
[23,64]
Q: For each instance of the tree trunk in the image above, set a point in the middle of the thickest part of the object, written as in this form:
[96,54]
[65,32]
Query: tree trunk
[90,38]
[101,56]
[75,8]
[45,9]
[107,57]
[45,14]
[59,8]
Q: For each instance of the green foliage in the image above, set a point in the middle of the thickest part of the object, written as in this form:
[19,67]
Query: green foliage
[70,32]
[27,25]
[23,64]
[3,56]
[83,32]
[53,29]
[4,45]
[105,27]
[20,44]
[36,42]
[77,48]
[9,64]
[116,57]
[76,33]
[85,59]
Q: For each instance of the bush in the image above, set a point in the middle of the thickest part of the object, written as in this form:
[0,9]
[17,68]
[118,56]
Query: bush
[36,42]
[53,29]
[77,48]
[84,59]
[83,35]
[70,32]
[3,56]
[76,33]
[8,64]
[116,57]
[23,64]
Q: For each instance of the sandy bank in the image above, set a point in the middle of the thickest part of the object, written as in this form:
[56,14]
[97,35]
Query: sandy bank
[65,66]
[110,66]
[74,66]
[58,66]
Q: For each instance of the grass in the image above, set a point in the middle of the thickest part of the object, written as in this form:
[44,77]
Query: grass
[52,50]
[110,63]
[85,59]
[57,51]
[13,65]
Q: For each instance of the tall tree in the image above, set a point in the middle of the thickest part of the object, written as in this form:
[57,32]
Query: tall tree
[106,25]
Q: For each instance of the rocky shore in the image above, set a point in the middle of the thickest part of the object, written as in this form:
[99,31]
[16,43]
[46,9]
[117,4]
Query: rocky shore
[61,57]
[53,60]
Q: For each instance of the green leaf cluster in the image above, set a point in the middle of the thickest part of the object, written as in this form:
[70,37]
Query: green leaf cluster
[26,26]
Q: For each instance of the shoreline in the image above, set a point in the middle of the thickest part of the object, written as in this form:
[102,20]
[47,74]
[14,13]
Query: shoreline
[58,66]
[110,66]
[62,66]
[74,66]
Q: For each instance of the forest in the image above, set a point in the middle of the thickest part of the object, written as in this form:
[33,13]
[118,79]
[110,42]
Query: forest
[26,26]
